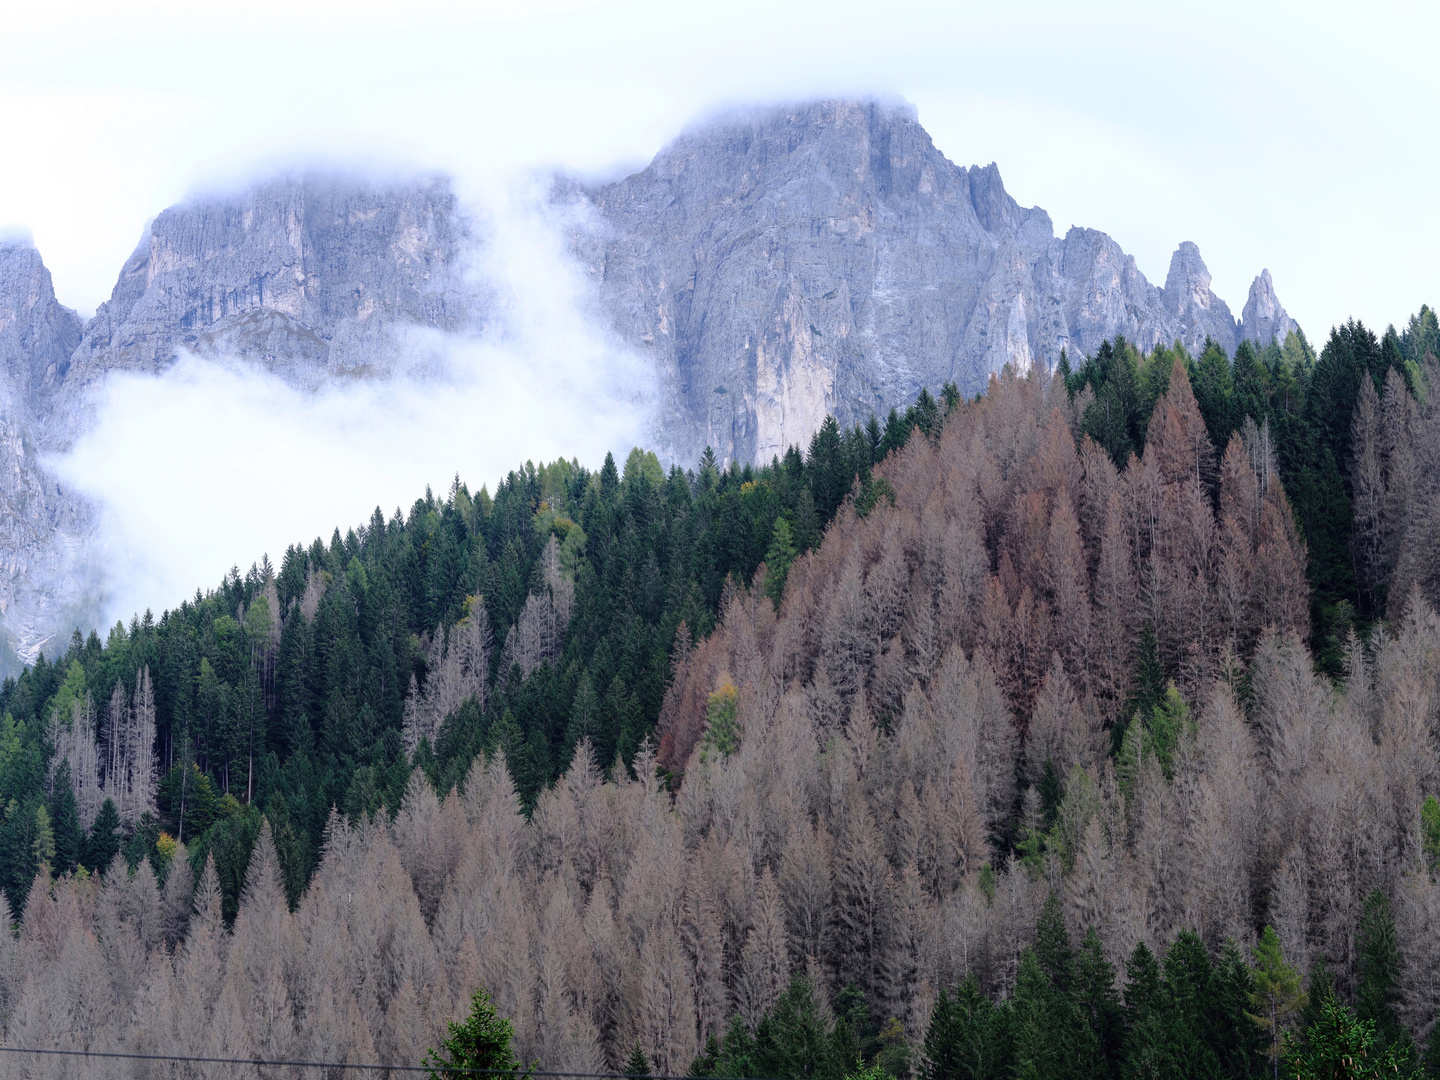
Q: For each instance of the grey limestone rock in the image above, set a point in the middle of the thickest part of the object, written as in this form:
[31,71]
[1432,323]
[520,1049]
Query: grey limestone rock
[312,277]
[42,529]
[1188,299]
[36,331]
[1263,319]
[784,263]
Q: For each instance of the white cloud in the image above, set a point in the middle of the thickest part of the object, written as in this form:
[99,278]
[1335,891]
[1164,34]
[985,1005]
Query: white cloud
[1272,134]
[84,171]
[215,462]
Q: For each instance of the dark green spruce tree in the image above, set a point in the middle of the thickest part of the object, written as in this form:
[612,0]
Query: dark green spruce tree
[65,821]
[104,841]
[637,1065]
[1377,947]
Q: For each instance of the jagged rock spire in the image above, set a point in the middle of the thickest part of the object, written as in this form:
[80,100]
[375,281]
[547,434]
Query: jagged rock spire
[1263,319]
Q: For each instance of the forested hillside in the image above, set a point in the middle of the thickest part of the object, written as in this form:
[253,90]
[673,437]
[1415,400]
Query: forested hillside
[285,690]
[1051,701]
[1349,450]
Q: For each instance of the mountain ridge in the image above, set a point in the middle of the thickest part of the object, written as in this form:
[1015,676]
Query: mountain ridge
[780,264]
[306,276]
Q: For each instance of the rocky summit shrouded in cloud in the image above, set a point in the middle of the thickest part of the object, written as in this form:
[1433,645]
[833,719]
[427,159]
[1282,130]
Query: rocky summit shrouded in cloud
[772,267]
[312,278]
[788,262]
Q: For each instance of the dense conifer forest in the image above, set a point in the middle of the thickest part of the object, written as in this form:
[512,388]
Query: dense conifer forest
[1085,728]
[284,692]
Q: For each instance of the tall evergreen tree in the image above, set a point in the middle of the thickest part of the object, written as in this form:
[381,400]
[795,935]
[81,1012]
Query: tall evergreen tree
[1319,988]
[778,558]
[966,1038]
[1099,1002]
[1215,393]
[637,1065]
[104,841]
[1052,946]
[1190,1031]
[65,822]
[481,1042]
[1147,1048]
[1338,1046]
[1378,993]
[1277,995]
[1049,1035]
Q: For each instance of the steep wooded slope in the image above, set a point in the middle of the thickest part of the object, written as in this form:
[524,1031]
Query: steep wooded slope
[895,842]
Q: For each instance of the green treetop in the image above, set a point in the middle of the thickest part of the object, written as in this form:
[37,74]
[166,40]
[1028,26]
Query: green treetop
[481,1042]
[637,1064]
[1277,995]
[1339,1046]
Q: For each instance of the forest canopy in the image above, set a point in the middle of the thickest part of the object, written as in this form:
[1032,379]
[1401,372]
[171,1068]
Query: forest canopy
[1090,720]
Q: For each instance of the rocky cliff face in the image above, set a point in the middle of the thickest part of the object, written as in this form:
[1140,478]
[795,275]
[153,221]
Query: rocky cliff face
[41,529]
[311,277]
[827,258]
[1263,319]
[36,331]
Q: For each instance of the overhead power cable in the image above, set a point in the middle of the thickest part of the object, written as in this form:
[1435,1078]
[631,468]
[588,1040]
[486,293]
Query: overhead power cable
[443,1070]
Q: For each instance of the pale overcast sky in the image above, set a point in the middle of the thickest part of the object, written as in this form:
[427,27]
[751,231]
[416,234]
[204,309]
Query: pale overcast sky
[1294,136]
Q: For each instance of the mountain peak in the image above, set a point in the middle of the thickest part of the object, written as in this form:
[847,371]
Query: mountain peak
[36,330]
[784,263]
[1187,296]
[775,265]
[1264,320]
[298,274]
[1188,277]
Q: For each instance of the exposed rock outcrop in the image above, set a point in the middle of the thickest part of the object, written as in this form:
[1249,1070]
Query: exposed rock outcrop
[311,277]
[1263,319]
[42,530]
[826,257]
[36,331]
[1198,313]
